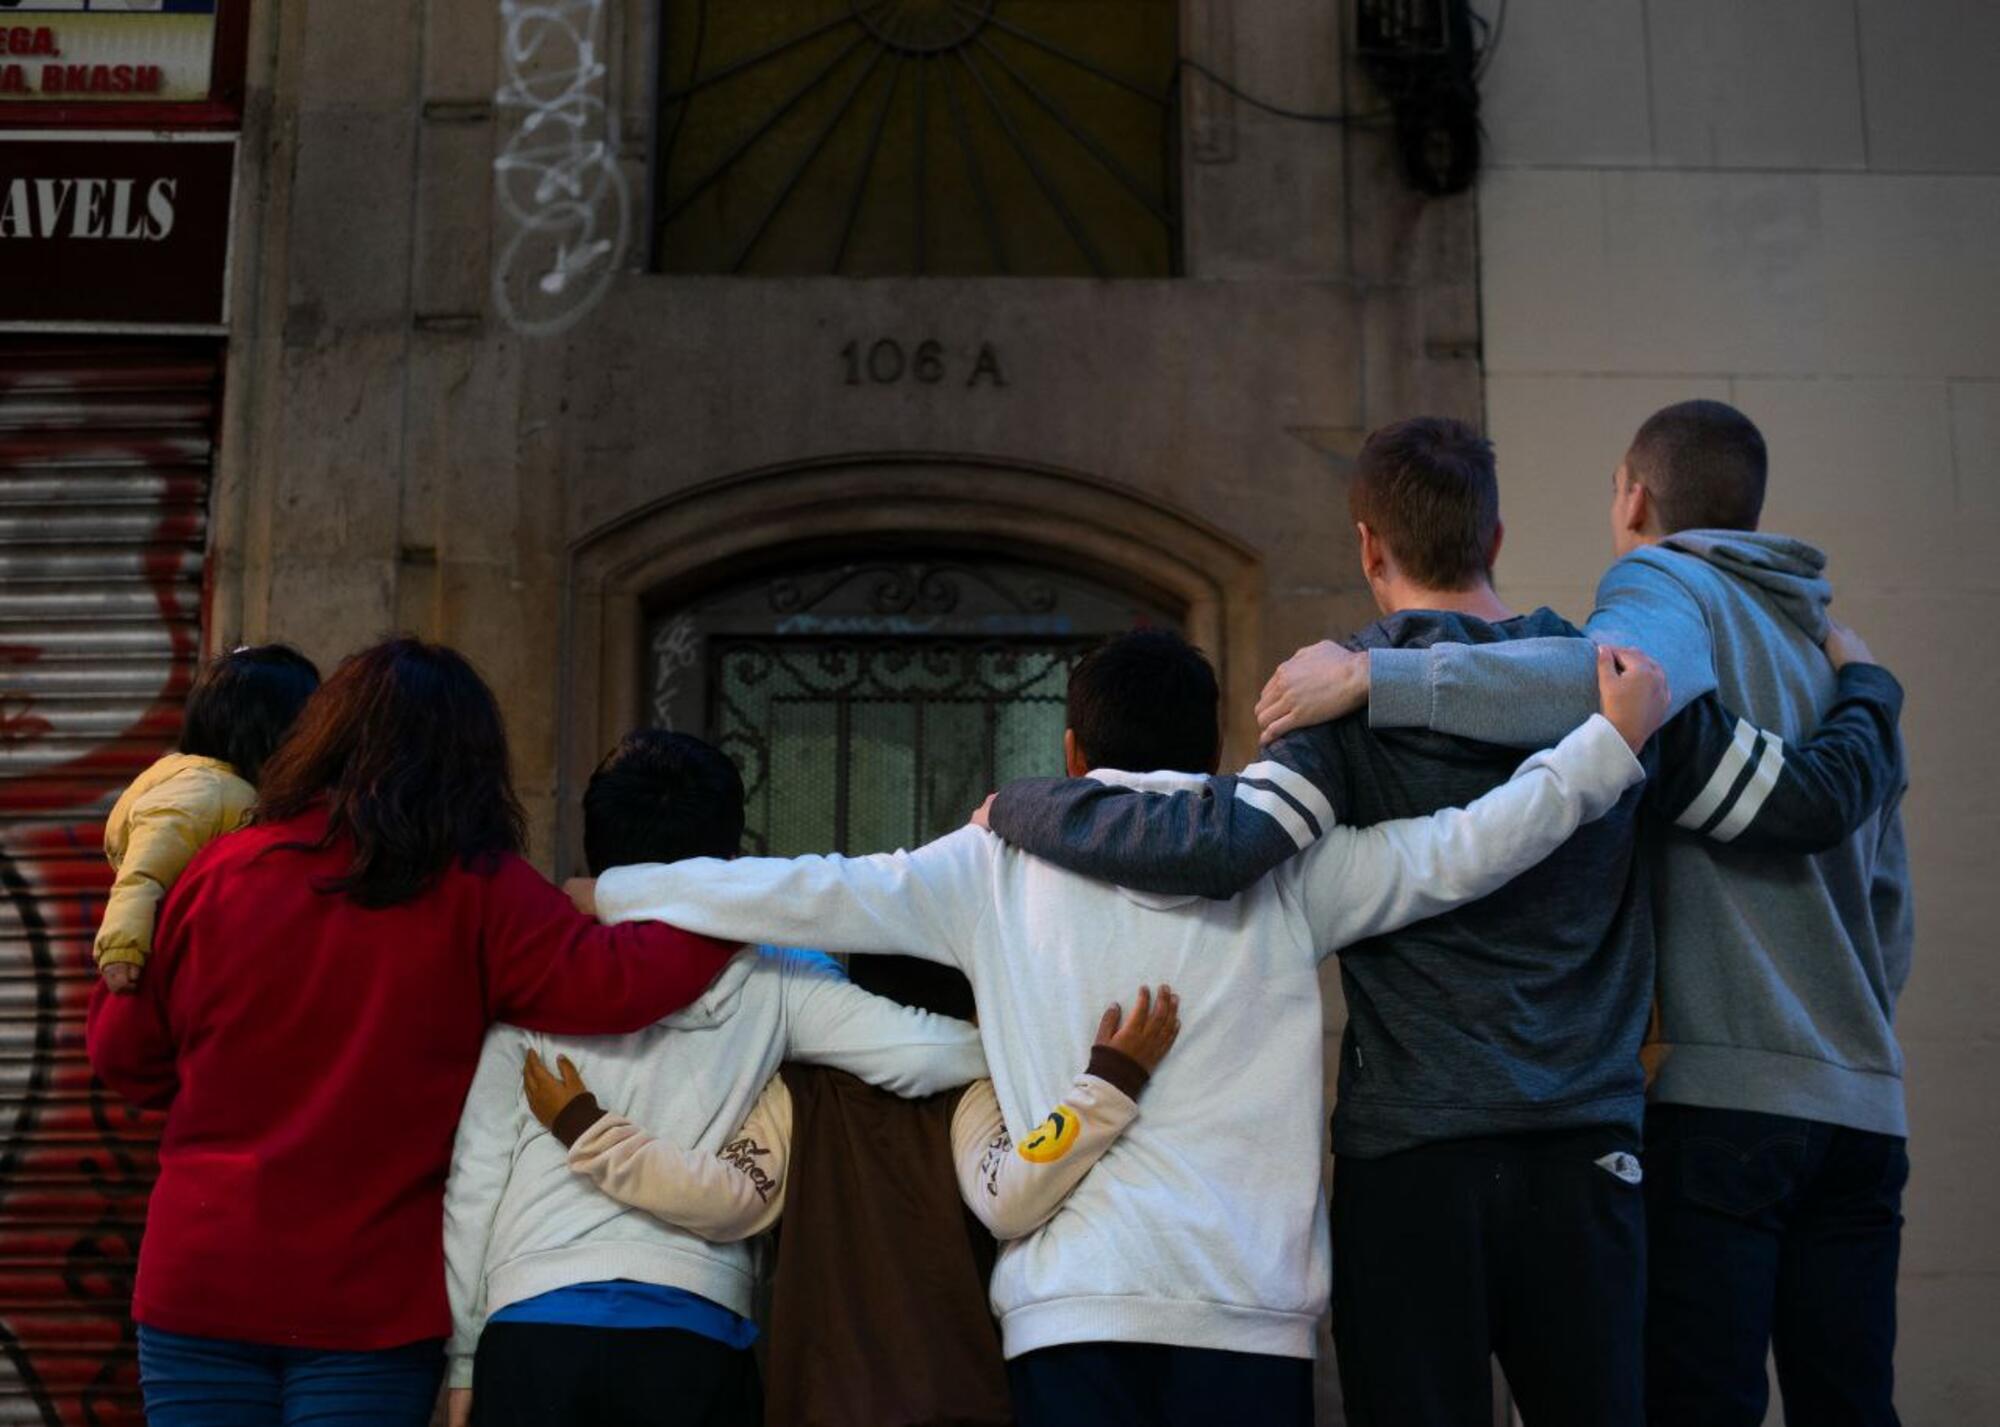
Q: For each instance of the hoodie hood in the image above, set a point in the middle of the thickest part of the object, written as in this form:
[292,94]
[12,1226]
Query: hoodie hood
[1788,570]
[1159,782]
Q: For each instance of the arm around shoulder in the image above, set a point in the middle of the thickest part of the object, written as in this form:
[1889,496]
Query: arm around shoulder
[1726,780]
[1015,1189]
[901,1049]
[1361,882]
[1211,842]
[549,968]
[922,903]
[1519,693]
[735,1193]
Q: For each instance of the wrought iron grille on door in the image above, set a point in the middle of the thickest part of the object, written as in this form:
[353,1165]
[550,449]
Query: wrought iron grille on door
[871,704]
[878,137]
[875,744]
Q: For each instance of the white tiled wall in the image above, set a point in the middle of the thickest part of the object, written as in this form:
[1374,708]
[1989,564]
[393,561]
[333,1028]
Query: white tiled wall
[1794,205]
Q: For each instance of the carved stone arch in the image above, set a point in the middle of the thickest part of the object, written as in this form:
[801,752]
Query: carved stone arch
[721,529]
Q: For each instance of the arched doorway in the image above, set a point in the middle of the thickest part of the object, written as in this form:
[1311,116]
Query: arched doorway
[891,627]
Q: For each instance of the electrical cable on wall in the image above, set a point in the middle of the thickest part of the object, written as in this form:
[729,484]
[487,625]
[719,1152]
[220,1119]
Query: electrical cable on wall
[1303,116]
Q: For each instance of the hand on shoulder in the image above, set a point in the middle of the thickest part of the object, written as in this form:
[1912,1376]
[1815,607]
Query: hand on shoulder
[1321,682]
[1632,693]
[1844,646]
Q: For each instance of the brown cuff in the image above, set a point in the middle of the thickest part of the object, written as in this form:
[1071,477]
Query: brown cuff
[1111,1064]
[576,1117]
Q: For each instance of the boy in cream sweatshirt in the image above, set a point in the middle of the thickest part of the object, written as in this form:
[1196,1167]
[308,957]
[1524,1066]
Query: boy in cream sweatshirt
[1186,1274]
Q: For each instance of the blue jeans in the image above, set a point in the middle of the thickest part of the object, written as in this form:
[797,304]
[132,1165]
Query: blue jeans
[218,1382]
[1770,1234]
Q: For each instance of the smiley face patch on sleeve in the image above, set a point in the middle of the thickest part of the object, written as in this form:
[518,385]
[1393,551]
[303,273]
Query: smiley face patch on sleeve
[1053,1138]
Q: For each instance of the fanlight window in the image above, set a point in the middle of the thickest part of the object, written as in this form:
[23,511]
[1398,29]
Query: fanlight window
[877,137]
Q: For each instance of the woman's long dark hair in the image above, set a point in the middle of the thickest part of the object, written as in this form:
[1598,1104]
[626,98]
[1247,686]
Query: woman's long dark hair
[406,748]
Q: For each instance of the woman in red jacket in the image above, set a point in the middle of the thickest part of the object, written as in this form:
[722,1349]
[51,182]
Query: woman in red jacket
[311,1017]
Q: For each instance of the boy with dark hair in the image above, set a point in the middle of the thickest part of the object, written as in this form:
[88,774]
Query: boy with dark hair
[1486,1195]
[1184,1280]
[1775,1133]
[1146,700]
[660,797]
[575,1307]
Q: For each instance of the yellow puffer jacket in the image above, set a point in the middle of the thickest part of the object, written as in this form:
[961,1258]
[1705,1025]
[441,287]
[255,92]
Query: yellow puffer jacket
[176,808]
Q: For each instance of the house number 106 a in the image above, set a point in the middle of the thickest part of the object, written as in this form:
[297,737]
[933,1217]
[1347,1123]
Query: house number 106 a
[885,362]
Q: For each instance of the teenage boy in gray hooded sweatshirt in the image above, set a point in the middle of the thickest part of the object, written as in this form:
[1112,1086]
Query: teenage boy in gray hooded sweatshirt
[1485,1196]
[1775,1139]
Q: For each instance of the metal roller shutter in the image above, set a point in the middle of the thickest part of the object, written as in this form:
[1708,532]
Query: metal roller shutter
[106,450]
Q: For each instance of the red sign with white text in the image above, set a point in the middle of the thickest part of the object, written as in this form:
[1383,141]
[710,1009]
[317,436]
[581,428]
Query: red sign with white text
[129,231]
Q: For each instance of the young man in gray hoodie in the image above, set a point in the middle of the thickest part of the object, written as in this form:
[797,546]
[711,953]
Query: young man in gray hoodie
[1775,1138]
[1486,1193]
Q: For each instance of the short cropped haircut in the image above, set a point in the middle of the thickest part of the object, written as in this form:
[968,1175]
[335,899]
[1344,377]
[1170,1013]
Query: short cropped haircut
[1703,463]
[661,797]
[1426,487]
[1143,701]
[244,703]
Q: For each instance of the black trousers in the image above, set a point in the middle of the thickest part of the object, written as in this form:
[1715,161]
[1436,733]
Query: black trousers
[1771,1234]
[553,1375]
[1518,1247]
[1153,1385]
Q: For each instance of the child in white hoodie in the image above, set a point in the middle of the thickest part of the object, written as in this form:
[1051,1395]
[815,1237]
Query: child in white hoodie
[571,1307]
[1186,1275]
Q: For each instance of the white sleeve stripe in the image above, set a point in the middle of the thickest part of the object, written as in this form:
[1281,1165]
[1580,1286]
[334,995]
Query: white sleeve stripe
[1279,811]
[1751,801]
[1312,823]
[1297,786]
[1726,773]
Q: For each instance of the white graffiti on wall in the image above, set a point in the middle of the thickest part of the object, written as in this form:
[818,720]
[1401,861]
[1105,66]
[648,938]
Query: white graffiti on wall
[558,179]
[675,649]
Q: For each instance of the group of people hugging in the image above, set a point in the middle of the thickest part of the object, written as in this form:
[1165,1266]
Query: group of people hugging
[1621,912]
